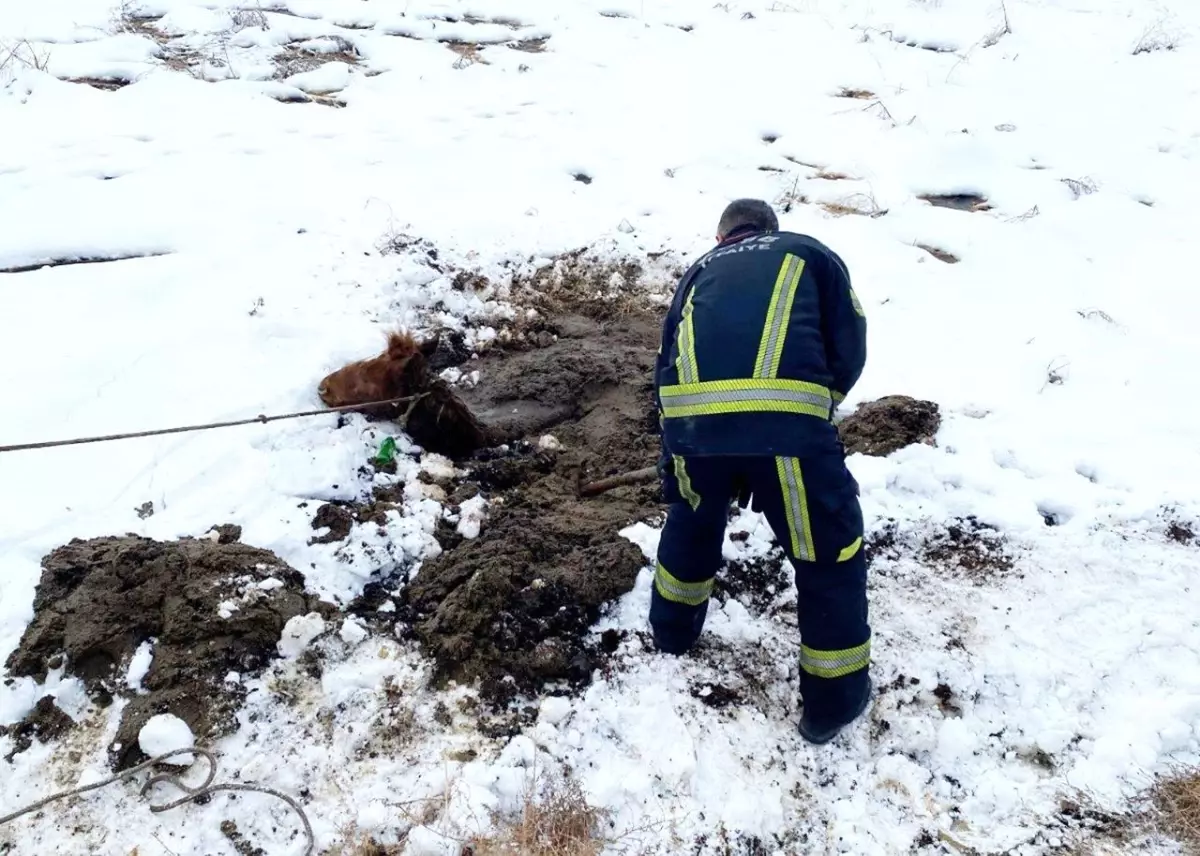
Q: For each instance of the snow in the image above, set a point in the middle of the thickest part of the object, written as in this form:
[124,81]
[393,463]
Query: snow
[165,733]
[274,243]
[139,665]
[299,632]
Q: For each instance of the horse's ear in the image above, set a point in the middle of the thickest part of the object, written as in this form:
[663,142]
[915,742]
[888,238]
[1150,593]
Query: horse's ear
[401,347]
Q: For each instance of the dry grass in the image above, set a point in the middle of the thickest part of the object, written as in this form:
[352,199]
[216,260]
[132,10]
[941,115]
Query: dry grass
[559,823]
[861,94]
[1159,36]
[581,282]
[862,204]
[366,845]
[1174,808]
[22,54]
[302,56]
[831,175]
[469,53]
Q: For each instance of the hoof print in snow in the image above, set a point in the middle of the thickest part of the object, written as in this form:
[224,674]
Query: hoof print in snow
[879,428]
[45,723]
[582,177]
[212,609]
[513,608]
[958,201]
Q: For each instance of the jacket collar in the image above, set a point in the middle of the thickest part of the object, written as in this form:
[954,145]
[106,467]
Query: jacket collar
[738,234]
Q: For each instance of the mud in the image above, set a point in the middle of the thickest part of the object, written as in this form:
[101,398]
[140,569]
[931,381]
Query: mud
[966,549]
[888,424]
[99,600]
[512,608]
[46,722]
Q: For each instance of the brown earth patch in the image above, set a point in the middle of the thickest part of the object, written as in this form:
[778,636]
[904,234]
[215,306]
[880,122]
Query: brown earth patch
[99,600]
[888,424]
[512,608]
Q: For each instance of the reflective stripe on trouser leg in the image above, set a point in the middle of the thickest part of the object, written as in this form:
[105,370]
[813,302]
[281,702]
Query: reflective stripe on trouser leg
[677,591]
[835,664]
[850,551]
[795,505]
[685,483]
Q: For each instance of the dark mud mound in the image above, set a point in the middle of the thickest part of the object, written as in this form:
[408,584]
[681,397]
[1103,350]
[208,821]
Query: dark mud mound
[881,427]
[209,609]
[511,608]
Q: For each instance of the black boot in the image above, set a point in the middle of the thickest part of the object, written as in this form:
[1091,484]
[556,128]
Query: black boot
[819,733]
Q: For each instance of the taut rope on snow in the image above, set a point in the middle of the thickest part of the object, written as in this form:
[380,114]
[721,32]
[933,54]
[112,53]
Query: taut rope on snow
[190,794]
[259,419]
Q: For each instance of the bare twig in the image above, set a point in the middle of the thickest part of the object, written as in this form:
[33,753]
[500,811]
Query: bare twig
[642,476]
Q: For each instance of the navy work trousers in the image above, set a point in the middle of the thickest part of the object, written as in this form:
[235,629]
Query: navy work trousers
[812,507]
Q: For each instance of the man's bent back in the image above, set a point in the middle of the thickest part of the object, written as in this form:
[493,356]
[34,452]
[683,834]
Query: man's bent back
[764,338]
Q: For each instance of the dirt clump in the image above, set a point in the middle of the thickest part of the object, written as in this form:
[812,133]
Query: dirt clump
[340,516]
[207,608]
[880,427]
[46,722]
[512,607]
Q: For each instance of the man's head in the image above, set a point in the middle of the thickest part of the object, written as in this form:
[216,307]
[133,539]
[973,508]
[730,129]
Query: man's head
[746,213]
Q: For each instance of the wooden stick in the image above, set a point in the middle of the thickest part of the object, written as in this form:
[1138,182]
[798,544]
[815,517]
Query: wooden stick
[642,476]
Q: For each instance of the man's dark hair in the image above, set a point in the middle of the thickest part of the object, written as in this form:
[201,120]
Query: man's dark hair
[747,212]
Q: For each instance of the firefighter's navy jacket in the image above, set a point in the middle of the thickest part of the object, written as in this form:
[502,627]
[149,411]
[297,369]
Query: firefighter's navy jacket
[763,339]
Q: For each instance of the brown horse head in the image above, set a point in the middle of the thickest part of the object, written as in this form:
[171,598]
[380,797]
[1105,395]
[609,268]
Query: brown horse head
[396,373]
[438,420]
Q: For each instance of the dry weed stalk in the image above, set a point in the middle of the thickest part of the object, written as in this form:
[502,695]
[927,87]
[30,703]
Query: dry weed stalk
[561,823]
[1176,807]
[22,54]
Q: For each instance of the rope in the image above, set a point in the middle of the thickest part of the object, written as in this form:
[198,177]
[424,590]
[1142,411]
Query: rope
[259,419]
[191,794]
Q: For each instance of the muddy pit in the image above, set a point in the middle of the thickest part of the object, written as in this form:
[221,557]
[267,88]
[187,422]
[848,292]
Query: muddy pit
[512,608]
[98,600]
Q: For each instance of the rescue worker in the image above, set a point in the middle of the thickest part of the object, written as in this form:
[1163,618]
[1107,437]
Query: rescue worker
[764,338]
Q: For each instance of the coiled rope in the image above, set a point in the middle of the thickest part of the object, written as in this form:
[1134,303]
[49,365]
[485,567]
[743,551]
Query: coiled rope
[191,794]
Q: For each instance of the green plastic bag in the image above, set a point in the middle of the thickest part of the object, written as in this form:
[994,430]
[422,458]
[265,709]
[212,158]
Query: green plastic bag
[386,454]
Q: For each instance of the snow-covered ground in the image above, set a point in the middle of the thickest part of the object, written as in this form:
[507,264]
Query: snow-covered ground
[1061,347]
